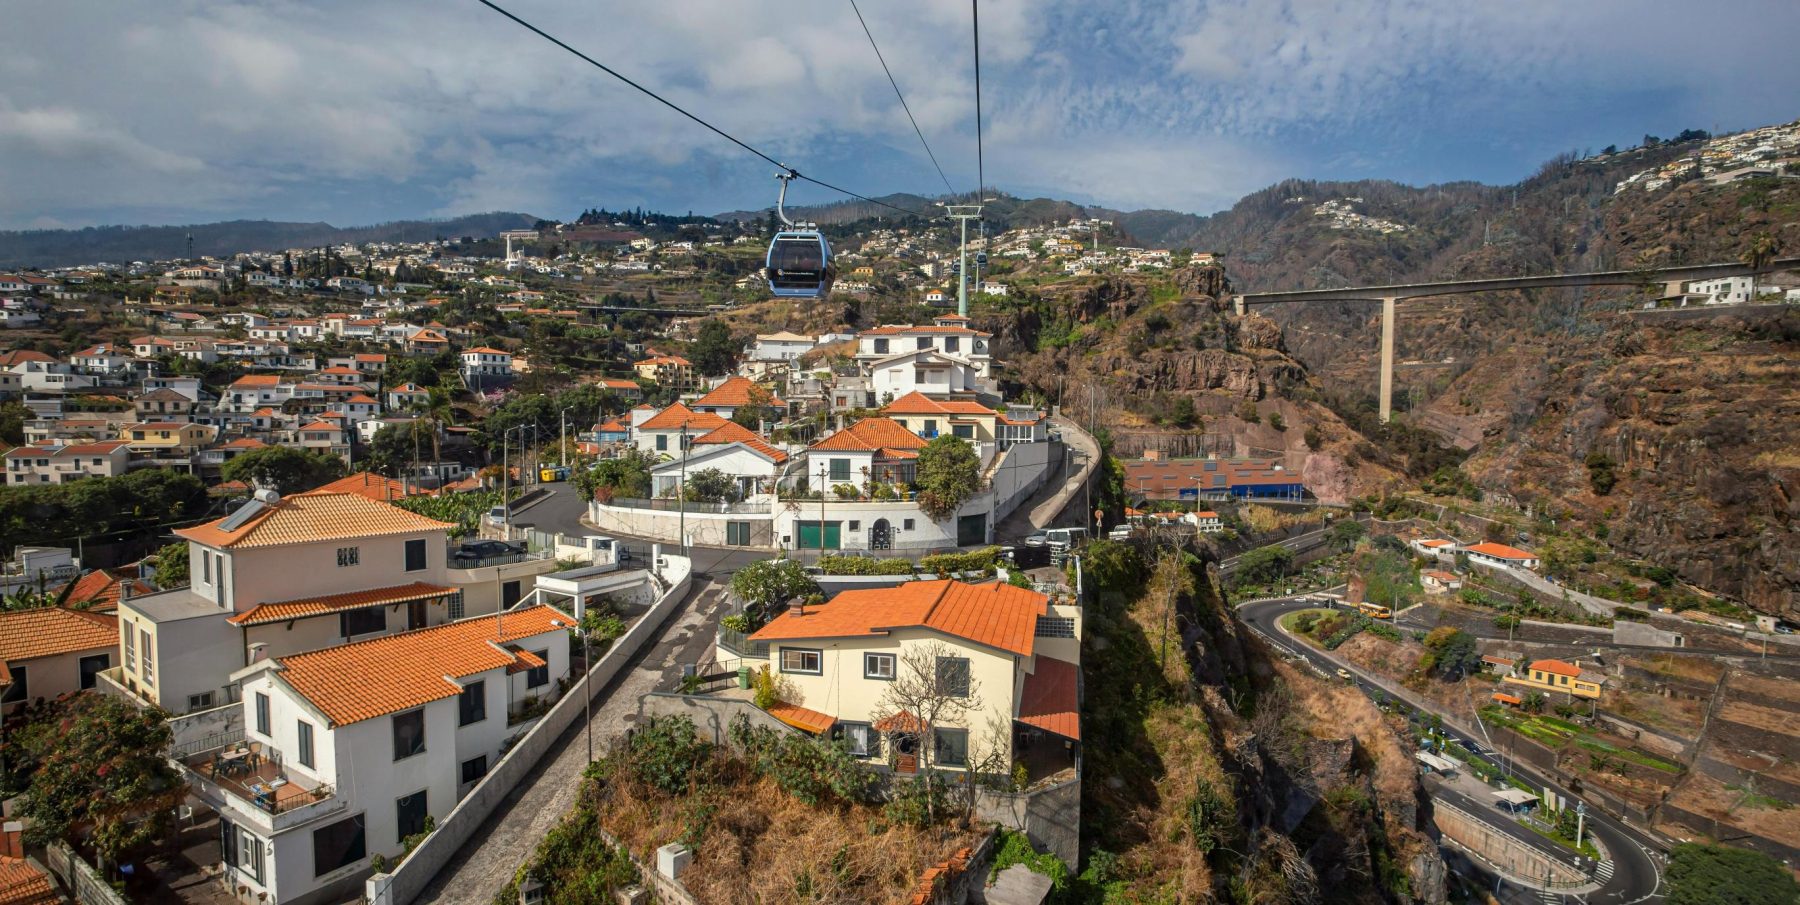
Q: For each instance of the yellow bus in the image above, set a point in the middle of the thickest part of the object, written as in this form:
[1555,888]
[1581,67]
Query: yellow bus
[1375,611]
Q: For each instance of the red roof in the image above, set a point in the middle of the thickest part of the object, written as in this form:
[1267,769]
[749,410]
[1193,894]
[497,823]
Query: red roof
[1556,668]
[737,391]
[49,631]
[264,613]
[996,615]
[892,330]
[1049,701]
[733,432]
[19,356]
[373,486]
[883,436]
[678,416]
[99,589]
[801,718]
[917,403]
[1500,551]
[1505,698]
[620,384]
[22,883]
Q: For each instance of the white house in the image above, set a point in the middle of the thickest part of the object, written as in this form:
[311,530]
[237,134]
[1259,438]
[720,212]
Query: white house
[782,346]
[353,748]
[62,463]
[486,364]
[1492,554]
[50,651]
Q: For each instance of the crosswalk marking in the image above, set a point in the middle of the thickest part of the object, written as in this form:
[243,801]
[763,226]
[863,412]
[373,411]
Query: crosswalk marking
[1605,871]
[1549,897]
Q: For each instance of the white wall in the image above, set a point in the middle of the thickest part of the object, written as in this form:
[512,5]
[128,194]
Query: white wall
[1023,468]
[267,575]
[193,656]
[49,677]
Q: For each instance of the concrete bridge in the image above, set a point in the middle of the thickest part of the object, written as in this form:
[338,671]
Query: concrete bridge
[1674,280]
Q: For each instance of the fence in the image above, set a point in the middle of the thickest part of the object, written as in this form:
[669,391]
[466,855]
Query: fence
[755,507]
[87,886]
[405,883]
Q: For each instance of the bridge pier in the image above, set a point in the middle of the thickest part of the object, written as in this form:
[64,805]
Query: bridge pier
[1387,359]
[1237,301]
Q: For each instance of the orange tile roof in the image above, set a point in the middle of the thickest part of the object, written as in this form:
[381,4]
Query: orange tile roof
[801,718]
[265,613]
[322,425]
[1435,543]
[618,383]
[20,356]
[676,360]
[21,883]
[366,679]
[880,435]
[1505,698]
[733,432]
[892,330]
[48,631]
[309,517]
[257,380]
[917,403]
[486,350]
[1439,574]
[373,486]
[526,660]
[737,391]
[1050,700]
[100,590]
[245,443]
[994,614]
[1500,551]
[612,426]
[677,415]
[1556,668]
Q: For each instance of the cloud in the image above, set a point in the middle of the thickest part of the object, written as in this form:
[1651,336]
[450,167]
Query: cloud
[353,112]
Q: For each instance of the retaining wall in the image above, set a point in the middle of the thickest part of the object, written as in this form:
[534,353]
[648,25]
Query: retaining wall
[411,877]
[1050,818]
[1514,858]
[80,879]
[712,716]
[1714,829]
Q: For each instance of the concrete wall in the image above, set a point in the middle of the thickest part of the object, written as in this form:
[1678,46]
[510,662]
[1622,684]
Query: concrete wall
[703,528]
[194,656]
[202,724]
[712,716]
[404,885]
[310,570]
[1050,818]
[76,876]
[1018,473]
[1500,851]
[1625,632]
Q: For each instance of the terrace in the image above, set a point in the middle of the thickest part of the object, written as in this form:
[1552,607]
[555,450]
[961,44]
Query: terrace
[252,773]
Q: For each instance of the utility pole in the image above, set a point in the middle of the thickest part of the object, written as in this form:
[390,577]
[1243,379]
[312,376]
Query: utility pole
[681,490]
[562,437]
[822,475]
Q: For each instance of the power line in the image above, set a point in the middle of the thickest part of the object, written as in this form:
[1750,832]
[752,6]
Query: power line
[980,166]
[902,97]
[678,109]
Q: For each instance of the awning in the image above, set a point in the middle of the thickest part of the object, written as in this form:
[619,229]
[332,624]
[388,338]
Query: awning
[1049,701]
[263,614]
[801,718]
[1505,698]
[903,721]
[1515,797]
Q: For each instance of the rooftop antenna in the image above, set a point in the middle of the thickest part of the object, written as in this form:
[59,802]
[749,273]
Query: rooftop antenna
[190,246]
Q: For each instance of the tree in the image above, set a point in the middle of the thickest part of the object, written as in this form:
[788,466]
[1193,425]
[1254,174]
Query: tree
[759,410]
[933,689]
[948,473]
[12,423]
[397,444]
[1314,439]
[100,775]
[763,586]
[627,475]
[1762,249]
[172,566]
[1345,534]
[1601,474]
[714,350]
[710,485]
[1264,565]
[1454,650]
[285,469]
[1718,875]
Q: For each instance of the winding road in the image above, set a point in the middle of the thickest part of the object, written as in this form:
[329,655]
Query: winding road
[1631,875]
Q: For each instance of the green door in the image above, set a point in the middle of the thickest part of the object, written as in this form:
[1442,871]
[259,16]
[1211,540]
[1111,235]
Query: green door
[971,530]
[809,535]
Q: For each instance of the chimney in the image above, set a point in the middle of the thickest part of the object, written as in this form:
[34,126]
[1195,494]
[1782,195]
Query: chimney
[797,606]
[125,588]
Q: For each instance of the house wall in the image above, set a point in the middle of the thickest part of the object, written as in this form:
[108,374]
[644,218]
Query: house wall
[1062,648]
[483,588]
[268,575]
[193,656]
[842,691]
[925,533]
[736,462]
[703,528]
[1022,469]
[48,677]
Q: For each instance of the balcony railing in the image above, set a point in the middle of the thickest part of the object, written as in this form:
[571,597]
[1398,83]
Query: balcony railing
[252,773]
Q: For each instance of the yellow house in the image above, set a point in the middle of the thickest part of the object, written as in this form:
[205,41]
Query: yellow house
[1557,675]
[161,436]
[1010,654]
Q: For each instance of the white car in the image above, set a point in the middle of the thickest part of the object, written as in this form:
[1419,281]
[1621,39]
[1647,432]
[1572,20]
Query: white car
[1121,532]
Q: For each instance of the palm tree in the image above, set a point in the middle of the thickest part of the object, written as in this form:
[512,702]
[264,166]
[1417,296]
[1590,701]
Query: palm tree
[1762,249]
[438,412]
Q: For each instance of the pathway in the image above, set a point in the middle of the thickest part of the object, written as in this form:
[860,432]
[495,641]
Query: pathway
[490,858]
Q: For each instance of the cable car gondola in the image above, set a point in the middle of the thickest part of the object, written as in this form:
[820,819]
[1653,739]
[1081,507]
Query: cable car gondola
[799,262]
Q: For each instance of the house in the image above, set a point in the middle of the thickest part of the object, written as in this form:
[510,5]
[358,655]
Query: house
[782,346]
[1011,653]
[949,334]
[1432,546]
[1207,521]
[104,359]
[929,417]
[253,391]
[667,370]
[612,432]
[61,463]
[732,449]
[1437,581]
[881,450]
[735,393]
[1212,479]
[169,437]
[52,651]
[484,364]
[408,396]
[323,436]
[375,487]
[1501,555]
[23,882]
[99,591]
[937,374]
[163,405]
[674,428]
[370,741]
[627,390]
[1558,675]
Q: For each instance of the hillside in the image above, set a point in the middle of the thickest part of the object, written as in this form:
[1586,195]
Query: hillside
[121,244]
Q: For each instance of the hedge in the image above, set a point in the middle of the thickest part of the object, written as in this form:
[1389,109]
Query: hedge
[862,565]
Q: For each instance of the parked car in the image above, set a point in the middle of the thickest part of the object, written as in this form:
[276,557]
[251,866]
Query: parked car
[1119,532]
[485,549]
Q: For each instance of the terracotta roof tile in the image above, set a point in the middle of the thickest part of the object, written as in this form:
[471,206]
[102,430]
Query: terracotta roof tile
[738,391]
[882,435]
[355,682]
[1050,700]
[525,660]
[100,590]
[21,883]
[917,403]
[47,631]
[673,417]
[1500,551]
[733,432]
[309,517]
[1556,667]
[801,718]
[373,486]
[265,613]
[994,614]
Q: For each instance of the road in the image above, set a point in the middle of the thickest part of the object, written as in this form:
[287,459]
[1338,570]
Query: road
[1633,876]
[495,852]
[1429,615]
[563,510]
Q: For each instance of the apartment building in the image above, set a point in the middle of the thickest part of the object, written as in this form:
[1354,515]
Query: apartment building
[60,463]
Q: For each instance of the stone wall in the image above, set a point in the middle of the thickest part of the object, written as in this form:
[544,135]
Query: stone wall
[80,879]
[1049,817]
[1502,852]
[712,716]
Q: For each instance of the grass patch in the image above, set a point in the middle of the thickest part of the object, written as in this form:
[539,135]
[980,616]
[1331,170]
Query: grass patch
[1586,847]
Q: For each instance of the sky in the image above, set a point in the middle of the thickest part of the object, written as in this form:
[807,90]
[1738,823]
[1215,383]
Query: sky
[356,112]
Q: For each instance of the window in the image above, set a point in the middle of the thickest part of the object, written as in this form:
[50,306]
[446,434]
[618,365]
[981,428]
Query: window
[339,845]
[906,524]
[409,734]
[662,442]
[924,342]
[878,666]
[249,852]
[149,656]
[362,621]
[918,375]
[415,555]
[348,556]
[471,703]
[965,431]
[130,636]
[1055,627]
[409,815]
[951,746]
[953,676]
[863,740]
[950,344]
[881,347]
[305,732]
[456,606]
[930,427]
[205,567]
[474,769]
[840,469]
[262,713]
[737,534]
[19,690]
[855,525]
[800,660]
[539,676]
[201,701]
[91,667]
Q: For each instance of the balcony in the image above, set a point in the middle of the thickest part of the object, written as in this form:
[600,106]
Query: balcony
[253,775]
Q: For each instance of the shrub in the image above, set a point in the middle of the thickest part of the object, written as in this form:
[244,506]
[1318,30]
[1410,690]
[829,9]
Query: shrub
[666,753]
[911,803]
[981,560]
[1276,422]
[834,564]
[1014,848]
[808,768]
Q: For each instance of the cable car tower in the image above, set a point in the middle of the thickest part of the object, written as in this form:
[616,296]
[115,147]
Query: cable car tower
[963,213]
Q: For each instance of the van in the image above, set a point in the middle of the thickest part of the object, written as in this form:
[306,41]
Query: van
[1064,537]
